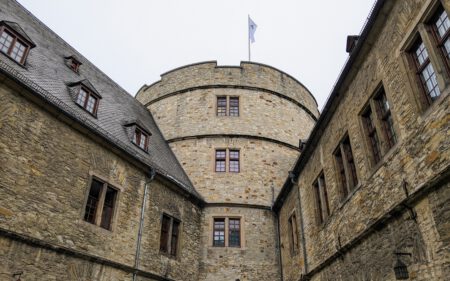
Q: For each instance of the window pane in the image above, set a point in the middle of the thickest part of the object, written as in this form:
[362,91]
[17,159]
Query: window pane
[220,160]
[234,161]
[164,239]
[219,233]
[90,106]
[442,24]
[5,41]
[108,208]
[221,106]
[18,51]
[174,240]
[318,203]
[426,72]
[372,135]
[82,95]
[92,201]
[234,239]
[341,170]
[234,106]
[353,181]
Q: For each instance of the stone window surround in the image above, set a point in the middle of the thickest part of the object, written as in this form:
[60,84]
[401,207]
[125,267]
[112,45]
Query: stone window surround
[350,191]
[227,160]
[180,234]
[320,189]
[293,233]
[385,148]
[111,183]
[421,28]
[227,110]
[226,217]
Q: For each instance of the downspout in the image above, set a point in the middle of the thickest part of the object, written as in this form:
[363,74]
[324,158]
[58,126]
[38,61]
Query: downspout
[302,228]
[280,258]
[141,223]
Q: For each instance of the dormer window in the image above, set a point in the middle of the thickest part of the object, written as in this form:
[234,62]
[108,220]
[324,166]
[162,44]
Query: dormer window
[85,95]
[140,138]
[88,100]
[73,63]
[14,42]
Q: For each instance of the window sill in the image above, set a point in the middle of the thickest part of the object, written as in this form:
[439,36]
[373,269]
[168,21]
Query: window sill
[13,60]
[167,255]
[146,151]
[95,227]
[437,103]
[227,248]
[349,196]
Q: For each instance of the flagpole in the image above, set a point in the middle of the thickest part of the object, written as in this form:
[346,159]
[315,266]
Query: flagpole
[248,38]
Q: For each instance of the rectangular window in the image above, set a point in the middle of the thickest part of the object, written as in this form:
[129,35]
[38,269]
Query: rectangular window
[100,205]
[425,72]
[441,27]
[140,138]
[371,132]
[220,160]
[170,232]
[234,161]
[384,112]
[221,106]
[346,166]
[322,205]
[234,106]
[87,100]
[219,232]
[227,232]
[293,234]
[12,45]
[234,230]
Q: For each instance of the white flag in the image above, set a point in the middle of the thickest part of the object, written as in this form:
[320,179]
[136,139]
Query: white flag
[251,30]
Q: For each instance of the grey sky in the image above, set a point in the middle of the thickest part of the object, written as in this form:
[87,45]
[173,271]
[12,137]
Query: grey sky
[135,41]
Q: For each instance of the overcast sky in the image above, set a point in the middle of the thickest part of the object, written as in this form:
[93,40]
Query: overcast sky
[135,41]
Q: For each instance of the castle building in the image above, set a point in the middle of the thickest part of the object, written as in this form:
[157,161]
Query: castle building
[227,173]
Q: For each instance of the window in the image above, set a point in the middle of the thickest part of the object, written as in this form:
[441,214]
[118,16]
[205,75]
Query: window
[441,27]
[293,234]
[378,126]
[220,160]
[73,63]
[87,100]
[425,72]
[234,106]
[369,124]
[234,161]
[170,231]
[100,204]
[322,207]
[346,166]
[384,113]
[227,232]
[227,106]
[221,106]
[13,45]
[140,138]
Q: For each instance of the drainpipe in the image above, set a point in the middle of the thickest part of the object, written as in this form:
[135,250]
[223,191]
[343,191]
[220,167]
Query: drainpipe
[141,223]
[302,228]
[280,258]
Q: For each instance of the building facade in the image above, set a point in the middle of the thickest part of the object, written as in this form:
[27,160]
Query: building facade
[228,172]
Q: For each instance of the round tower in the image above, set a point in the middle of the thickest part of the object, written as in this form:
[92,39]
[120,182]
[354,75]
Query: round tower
[236,131]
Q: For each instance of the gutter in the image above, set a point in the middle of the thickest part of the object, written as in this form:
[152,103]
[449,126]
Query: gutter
[141,224]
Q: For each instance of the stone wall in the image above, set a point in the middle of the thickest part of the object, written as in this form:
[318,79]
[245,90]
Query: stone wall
[257,259]
[248,74]
[261,115]
[264,167]
[359,238]
[45,170]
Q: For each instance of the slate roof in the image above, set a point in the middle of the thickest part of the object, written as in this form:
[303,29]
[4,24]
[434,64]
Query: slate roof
[48,76]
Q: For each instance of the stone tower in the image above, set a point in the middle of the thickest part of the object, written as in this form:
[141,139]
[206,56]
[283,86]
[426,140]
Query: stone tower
[236,130]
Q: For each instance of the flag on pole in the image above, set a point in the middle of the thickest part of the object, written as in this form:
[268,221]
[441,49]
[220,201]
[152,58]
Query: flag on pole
[251,29]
